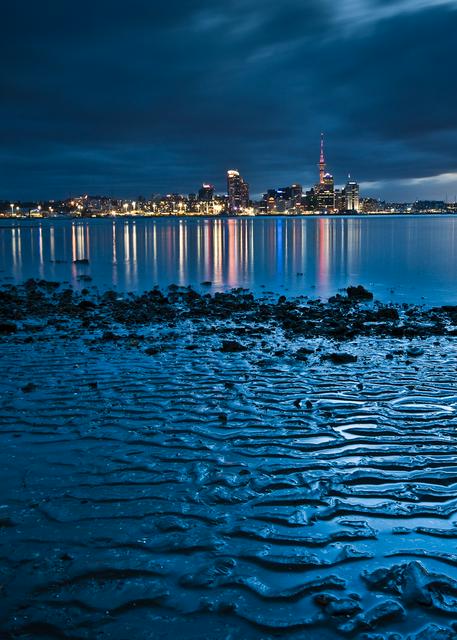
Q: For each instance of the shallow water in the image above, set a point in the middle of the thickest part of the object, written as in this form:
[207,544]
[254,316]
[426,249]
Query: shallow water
[185,492]
[402,258]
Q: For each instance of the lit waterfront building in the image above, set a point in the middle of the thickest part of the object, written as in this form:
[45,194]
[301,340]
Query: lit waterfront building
[237,191]
[324,192]
[206,193]
[352,196]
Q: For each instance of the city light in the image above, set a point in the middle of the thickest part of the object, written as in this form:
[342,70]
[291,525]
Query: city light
[322,198]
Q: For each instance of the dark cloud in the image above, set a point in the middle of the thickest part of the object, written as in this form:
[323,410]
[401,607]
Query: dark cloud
[148,96]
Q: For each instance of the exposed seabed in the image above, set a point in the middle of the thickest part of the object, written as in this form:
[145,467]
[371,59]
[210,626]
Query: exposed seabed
[226,467]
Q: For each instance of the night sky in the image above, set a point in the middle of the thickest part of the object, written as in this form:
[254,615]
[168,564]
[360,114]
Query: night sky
[142,97]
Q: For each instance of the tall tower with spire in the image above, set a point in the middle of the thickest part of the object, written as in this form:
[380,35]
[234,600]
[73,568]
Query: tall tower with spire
[322,162]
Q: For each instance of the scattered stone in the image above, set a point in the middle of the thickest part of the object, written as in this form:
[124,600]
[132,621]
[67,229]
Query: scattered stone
[109,336]
[152,351]
[414,352]
[232,346]
[303,353]
[340,358]
[29,387]
[6,523]
[7,327]
[359,293]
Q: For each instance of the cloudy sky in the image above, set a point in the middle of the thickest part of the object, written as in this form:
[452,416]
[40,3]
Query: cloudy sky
[148,96]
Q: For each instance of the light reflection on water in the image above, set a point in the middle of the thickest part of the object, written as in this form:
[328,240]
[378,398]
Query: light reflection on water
[401,258]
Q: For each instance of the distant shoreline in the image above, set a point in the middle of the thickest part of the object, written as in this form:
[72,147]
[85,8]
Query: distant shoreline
[378,214]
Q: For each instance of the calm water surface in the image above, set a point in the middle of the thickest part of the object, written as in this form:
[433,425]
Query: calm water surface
[399,258]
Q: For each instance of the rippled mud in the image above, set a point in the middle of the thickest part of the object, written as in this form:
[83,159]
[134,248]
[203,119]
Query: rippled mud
[225,474]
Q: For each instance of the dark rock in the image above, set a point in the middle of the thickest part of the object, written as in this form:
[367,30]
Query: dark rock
[340,358]
[152,351]
[232,346]
[7,327]
[6,523]
[359,293]
[29,387]
[303,353]
[85,305]
[109,336]
[81,261]
[414,352]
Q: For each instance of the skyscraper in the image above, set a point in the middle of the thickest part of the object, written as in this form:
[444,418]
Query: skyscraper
[237,191]
[325,189]
[206,193]
[352,197]
[322,161]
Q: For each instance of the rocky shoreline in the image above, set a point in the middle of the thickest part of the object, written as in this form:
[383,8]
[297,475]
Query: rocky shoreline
[342,317]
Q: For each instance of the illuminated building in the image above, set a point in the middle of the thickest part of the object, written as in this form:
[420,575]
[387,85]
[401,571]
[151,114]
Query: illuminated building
[322,162]
[323,195]
[326,193]
[237,191]
[352,196]
[206,193]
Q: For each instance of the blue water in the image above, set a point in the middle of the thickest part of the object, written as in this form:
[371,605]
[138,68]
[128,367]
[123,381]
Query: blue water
[401,258]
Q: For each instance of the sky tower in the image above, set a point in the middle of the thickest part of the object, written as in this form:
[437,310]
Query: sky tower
[322,162]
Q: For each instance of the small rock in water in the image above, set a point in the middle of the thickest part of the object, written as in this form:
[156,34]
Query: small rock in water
[297,403]
[30,386]
[359,293]
[152,351]
[8,327]
[414,352]
[340,357]
[232,346]
[303,353]
[81,261]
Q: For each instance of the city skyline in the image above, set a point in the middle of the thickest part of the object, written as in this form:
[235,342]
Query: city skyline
[324,196]
[100,99]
